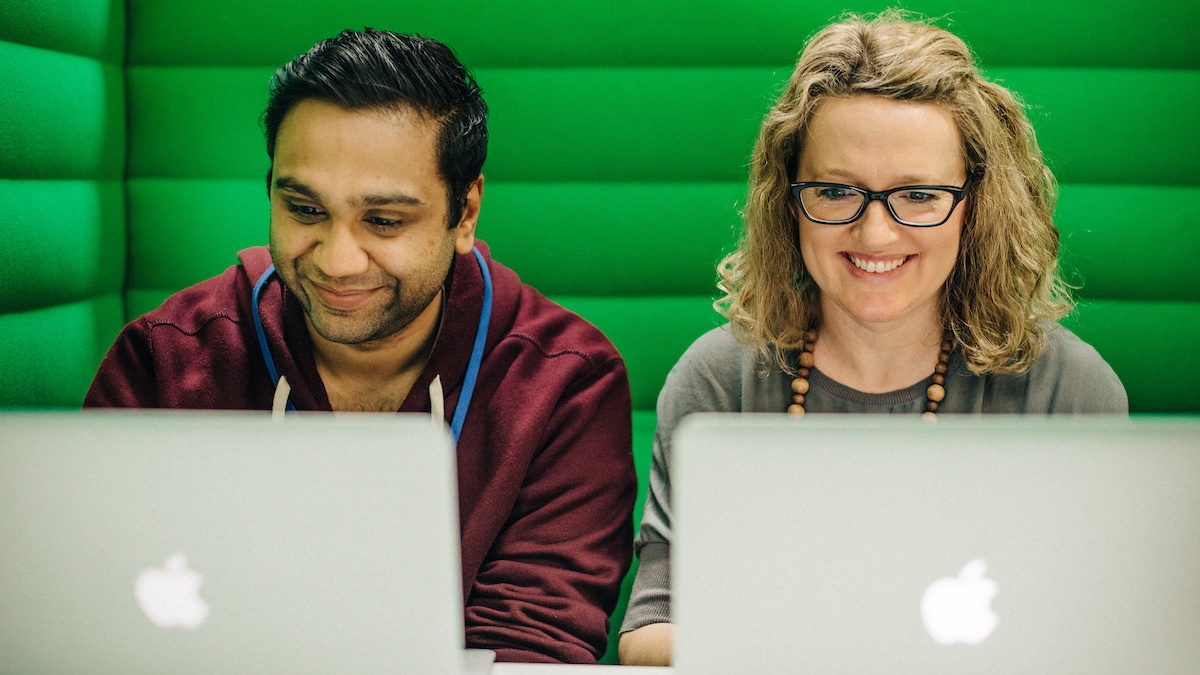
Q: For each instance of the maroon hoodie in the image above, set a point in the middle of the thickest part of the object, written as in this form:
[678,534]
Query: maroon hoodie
[545,471]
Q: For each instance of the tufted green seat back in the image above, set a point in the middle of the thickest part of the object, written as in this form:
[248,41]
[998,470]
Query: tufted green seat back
[620,137]
[62,196]
[620,140]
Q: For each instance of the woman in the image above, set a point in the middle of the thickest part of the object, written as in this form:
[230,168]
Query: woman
[898,256]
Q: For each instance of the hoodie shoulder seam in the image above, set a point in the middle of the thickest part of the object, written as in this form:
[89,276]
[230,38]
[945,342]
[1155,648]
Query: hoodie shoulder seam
[590,359]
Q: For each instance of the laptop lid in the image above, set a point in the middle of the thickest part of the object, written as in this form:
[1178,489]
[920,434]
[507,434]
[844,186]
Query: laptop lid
[228,543]
[884,545]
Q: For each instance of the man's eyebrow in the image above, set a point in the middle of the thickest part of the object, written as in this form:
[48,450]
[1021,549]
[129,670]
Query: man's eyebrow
[293,185]
[389,200]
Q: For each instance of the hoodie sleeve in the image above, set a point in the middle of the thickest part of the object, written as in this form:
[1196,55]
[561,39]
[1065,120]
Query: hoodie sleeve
[126,378]
[554,573]
[195,351]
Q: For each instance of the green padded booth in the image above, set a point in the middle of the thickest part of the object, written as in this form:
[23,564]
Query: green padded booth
[132,161]
[62,173]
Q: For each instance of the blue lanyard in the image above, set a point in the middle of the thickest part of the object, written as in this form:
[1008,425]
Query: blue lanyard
[262,336]
[468,385]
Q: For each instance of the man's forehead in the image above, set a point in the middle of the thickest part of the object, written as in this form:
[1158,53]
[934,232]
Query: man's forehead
[314,127]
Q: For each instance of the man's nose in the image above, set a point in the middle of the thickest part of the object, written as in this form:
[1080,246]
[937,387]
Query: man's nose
[340,253]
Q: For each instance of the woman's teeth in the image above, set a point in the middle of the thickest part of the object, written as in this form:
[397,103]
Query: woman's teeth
[877,267]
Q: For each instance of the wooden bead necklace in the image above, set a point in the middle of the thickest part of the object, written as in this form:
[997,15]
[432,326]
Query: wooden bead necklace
[933,395]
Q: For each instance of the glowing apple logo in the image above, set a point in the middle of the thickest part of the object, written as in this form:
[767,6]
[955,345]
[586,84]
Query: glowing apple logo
[170,596]
[957,610]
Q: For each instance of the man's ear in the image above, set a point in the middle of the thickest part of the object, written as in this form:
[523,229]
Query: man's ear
[465,237]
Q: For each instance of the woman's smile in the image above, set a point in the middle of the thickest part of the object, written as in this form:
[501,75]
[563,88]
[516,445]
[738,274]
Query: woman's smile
[876,265]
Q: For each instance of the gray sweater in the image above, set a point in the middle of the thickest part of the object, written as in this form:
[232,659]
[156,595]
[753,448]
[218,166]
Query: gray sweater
[717,374]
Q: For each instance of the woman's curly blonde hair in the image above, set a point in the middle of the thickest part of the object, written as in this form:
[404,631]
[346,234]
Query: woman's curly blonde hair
[1006,277]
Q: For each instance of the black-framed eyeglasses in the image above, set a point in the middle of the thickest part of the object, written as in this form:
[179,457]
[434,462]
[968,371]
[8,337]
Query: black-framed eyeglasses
[911,205]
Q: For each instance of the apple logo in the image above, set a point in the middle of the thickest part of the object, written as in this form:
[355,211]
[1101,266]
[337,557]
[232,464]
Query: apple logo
[170,596]
[958,609]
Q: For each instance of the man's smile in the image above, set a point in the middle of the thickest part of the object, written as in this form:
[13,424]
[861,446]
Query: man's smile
[342,298]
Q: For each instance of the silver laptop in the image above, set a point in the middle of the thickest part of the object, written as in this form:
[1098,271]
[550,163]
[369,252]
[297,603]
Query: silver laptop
[884,545]
[228,543]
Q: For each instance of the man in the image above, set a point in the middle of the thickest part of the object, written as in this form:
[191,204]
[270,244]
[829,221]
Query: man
[375,296]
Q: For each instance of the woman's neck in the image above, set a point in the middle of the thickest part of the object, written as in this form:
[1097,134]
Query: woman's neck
[876,359]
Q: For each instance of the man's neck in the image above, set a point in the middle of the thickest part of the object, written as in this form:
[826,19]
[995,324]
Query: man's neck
[377,376]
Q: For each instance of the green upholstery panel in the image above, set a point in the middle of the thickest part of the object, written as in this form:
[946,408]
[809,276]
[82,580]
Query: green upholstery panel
[700,124]
[93,28]
[1151,345]
[1130,242]
[1113,126]
[197,122]
[64,115]
[50,355]
[184,231]
[622,125]
[684,33]
[138,302]
[64,241]
[62,169]
[660,125]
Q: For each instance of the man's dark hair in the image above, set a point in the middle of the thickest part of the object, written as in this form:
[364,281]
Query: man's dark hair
[381,69]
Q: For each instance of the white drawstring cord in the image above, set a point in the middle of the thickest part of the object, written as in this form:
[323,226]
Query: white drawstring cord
[437,401]
[279,404]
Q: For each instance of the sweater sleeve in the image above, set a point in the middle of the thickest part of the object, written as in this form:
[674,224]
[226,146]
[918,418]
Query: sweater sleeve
[707,378]
[1072,378]
[126,377]
[554,572]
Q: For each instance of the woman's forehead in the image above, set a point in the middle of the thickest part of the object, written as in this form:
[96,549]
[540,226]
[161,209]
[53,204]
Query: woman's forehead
[874,138]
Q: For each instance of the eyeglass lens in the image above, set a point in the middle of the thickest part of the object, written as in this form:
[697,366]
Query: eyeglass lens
[919,206]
